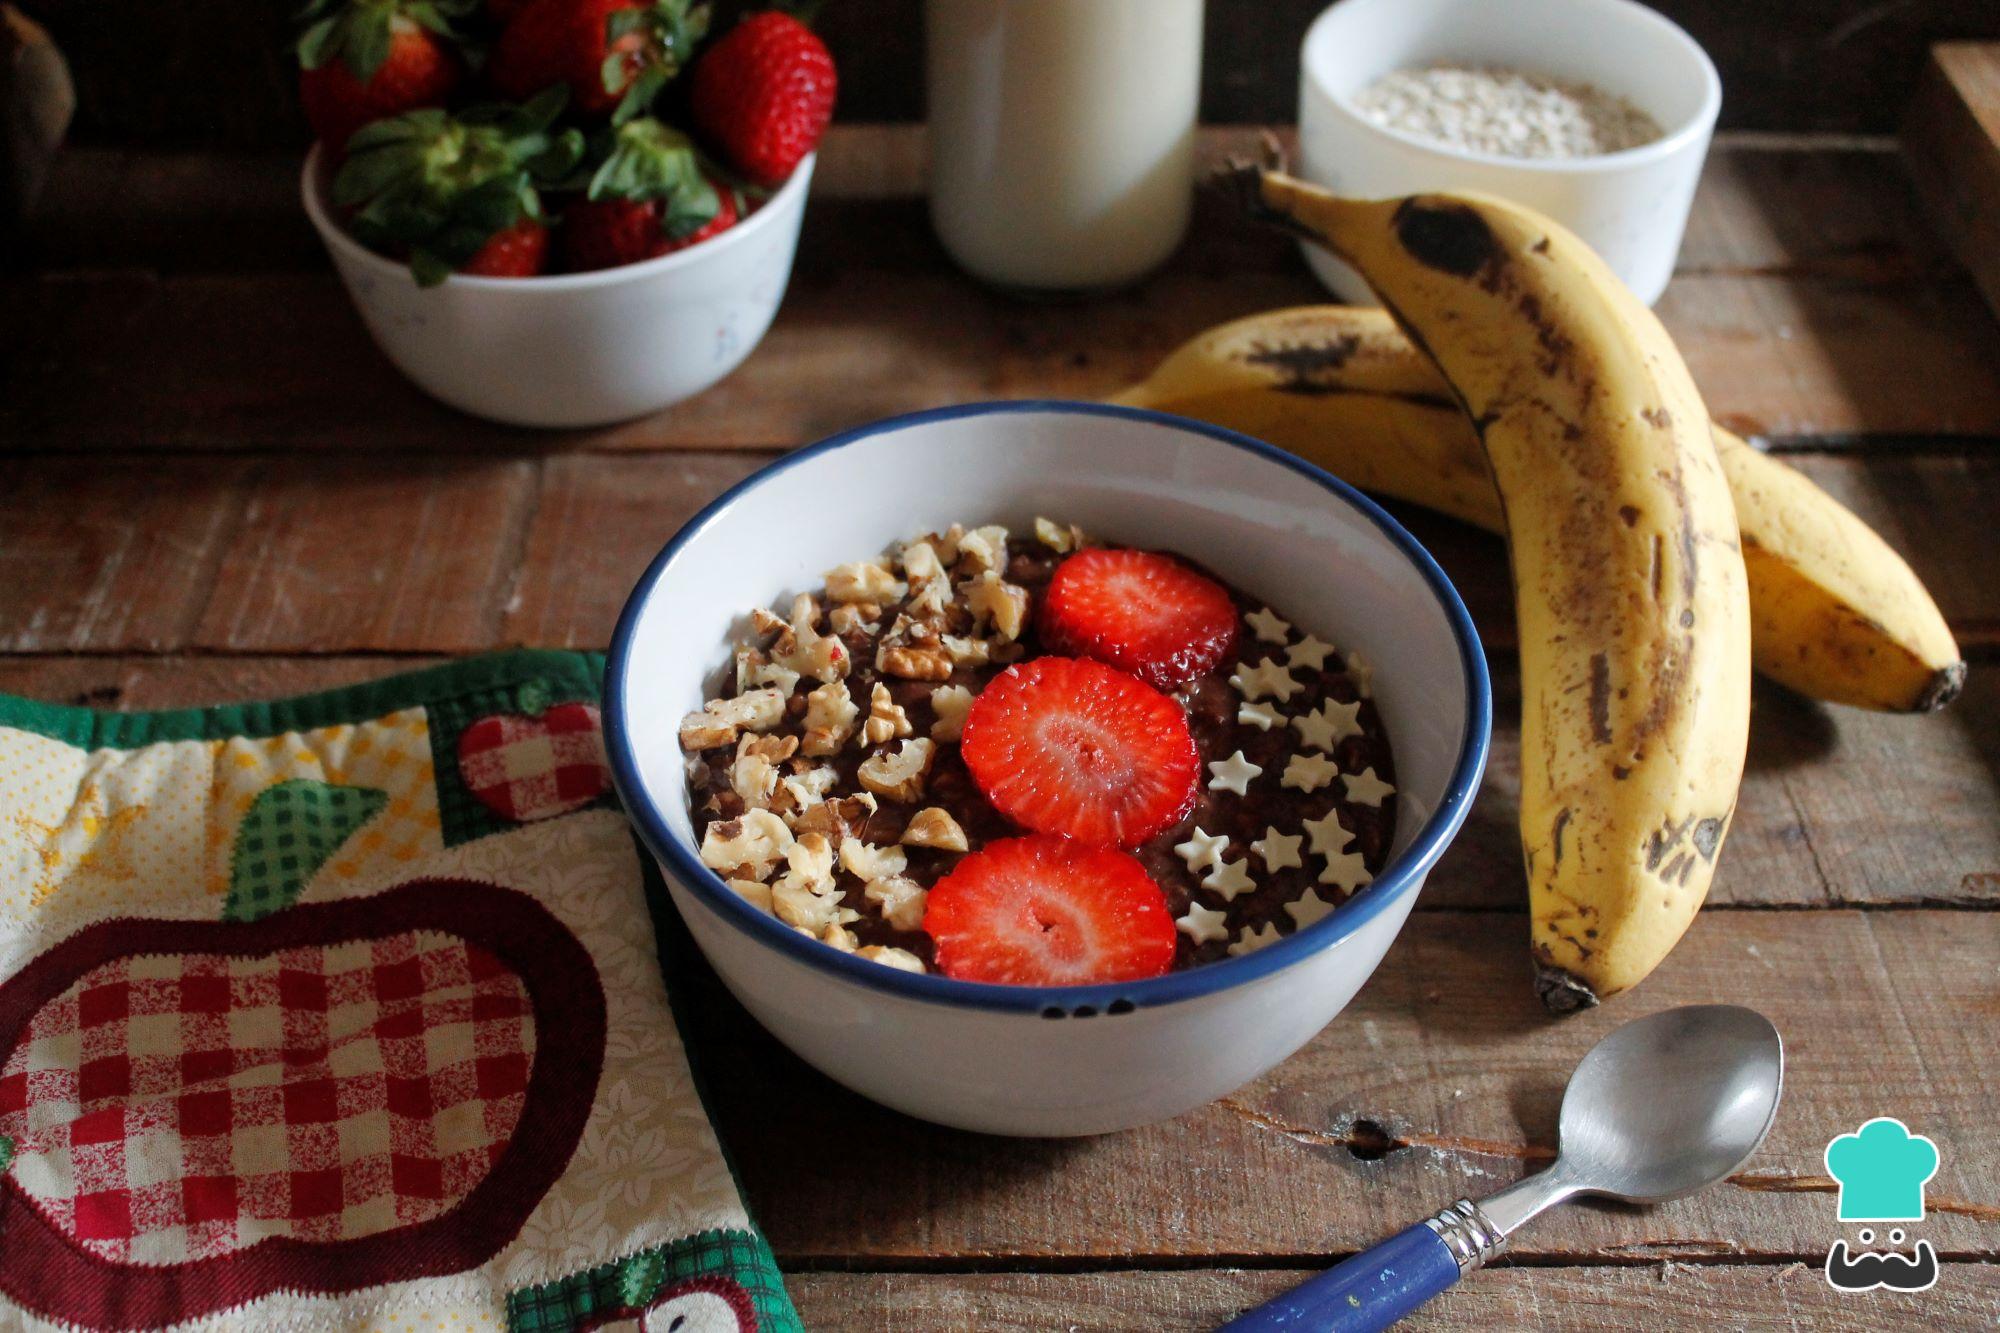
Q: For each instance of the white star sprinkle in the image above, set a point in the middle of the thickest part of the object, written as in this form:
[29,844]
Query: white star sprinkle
[1309,909]
[1230,878]
[1332,724]
[1233,774]
[1261,716]
[1268,626]
[1202,850]
[1203,924]
[1363,673]
[1309,653]
[1253,940]
[1328,836]
[1266,679]
[1346,872]
[1280,852]
[1309,772]
[1365,788]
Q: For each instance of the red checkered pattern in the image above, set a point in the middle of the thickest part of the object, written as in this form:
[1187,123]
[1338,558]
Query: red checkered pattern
[528,768]
[173,1108]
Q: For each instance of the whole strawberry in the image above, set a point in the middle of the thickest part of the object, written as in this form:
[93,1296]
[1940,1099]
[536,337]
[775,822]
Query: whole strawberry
[458,192]
[361,60]
[763,94]
[612,55]
[649,198]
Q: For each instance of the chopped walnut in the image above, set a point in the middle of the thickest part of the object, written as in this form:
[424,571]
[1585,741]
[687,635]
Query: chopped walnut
[855,616]
[886,718]
[830,718]
[777,749]
[867,862]
[753,778]
[946,543]
[984,549]
[840,937]
[753,668]
[802,791]
[932,604]
[1060,538]
[841,817]
[900,901]
[1002,604]
[757,895]
[912,650]
[806,894]
[720,721]
[888,955]
[899,776]
[920,562]
[933,826]
[951,703]
[802,648]
[863,582]
[967,652]
[753,843]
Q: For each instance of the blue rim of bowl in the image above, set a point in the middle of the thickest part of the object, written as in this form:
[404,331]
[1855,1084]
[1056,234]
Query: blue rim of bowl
[1399,877]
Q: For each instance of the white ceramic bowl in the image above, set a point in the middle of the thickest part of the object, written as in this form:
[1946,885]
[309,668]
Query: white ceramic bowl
[575,349]
[1631,207]
[1044,1060]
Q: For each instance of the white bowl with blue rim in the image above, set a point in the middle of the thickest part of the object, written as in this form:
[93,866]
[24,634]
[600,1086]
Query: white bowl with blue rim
[1039,1060]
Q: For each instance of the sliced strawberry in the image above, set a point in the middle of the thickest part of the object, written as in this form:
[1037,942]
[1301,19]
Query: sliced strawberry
[1147,613]
[1047,911]
[1063,745]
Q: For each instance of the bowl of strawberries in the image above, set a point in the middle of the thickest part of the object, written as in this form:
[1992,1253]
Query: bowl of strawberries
[561,213]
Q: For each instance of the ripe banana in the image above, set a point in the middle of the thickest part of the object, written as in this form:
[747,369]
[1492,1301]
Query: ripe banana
[1629,581]
[1835,613]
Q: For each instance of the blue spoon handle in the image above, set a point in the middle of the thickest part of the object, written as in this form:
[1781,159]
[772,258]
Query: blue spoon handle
[1370,1291]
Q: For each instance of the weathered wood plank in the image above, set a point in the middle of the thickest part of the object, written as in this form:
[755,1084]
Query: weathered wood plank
[1442,1080]
[598,523]
[140,683]
[281,361]
[1640,1299]
[372,554]
[110,553]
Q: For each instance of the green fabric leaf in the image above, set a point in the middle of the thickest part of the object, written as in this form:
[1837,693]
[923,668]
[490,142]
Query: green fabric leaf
[290,831]
[6,1153]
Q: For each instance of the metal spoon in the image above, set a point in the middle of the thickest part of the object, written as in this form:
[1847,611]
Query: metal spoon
[1664,1106]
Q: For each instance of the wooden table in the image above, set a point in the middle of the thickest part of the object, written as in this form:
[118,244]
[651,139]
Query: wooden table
[214,487]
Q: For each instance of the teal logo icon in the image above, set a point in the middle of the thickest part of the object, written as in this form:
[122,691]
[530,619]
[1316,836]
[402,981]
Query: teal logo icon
[1881,1169]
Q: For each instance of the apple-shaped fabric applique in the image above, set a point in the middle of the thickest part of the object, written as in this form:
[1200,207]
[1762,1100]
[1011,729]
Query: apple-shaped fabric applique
[528,768]
[336,1096]
[707,1304]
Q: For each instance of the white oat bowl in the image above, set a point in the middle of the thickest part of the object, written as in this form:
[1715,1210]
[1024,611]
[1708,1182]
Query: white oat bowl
[1034,1060]
[1630,206]
[574,349]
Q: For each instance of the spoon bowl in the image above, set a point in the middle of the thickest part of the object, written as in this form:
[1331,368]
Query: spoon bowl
[1671,1103]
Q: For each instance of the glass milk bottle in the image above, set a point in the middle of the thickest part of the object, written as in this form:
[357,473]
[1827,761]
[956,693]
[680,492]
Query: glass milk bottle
[1062,136]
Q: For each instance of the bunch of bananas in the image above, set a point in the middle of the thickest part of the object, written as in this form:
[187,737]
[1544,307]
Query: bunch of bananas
[1513,382]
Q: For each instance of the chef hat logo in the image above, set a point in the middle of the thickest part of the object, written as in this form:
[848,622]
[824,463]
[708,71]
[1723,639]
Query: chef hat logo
[1881,1169]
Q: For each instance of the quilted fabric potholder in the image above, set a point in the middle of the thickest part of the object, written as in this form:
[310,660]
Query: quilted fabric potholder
[343,1012]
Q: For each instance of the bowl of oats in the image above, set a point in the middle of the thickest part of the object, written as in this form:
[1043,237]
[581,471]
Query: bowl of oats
[1044,768]
[1596,112]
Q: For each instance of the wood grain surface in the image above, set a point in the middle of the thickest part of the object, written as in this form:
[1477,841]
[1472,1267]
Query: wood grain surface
[212,487]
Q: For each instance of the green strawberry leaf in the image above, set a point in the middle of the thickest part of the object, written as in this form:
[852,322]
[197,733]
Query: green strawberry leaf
[638,99]
[317,44]
[690,209]
[368,36]
[427,268]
